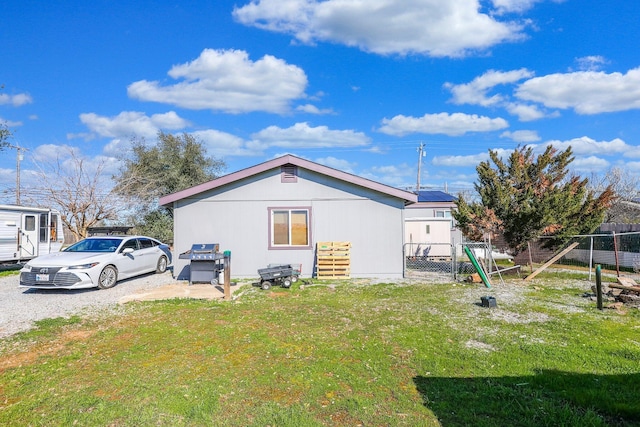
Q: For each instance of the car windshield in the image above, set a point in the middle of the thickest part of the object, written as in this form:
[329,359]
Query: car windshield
[95,245]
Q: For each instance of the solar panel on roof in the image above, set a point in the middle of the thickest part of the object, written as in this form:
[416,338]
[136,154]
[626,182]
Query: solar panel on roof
[435,196]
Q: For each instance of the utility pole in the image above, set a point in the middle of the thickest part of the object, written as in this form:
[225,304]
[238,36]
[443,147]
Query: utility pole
[421,154]
[19,158]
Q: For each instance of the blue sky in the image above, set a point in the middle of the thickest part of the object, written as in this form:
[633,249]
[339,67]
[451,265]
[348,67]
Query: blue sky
[355,85]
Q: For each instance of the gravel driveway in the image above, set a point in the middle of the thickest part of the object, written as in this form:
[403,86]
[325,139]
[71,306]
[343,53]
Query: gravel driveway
[20,307]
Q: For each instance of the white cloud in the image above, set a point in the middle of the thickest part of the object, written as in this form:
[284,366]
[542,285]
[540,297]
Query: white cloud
[586,92]
[220,144]
[301,135]
[521,135]
[17,100]
[455,124]
[527,112]
[470,160]
[460,161]
[131,123]
[116,147]
[585,146]
[591,63]
[10,123]
[227,80]
[475,92]
[515,6]
[589,164]
[431,27]
[399,176]
[312,109]
[339,164]
[48,154]
[632,166]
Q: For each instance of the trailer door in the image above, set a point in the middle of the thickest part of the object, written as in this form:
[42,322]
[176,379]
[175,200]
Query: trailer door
[29,236]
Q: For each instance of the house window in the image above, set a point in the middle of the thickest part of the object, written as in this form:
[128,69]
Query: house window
[289,227]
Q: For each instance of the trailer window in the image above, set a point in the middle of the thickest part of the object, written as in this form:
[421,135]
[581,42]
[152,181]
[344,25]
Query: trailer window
[29,223]
[290,228]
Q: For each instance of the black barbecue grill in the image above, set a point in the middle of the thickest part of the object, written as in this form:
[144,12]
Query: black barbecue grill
[206,263]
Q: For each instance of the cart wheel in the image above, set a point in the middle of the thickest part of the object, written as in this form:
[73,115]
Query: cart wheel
[294,279]
[214,282]
[286,282]
[266,285]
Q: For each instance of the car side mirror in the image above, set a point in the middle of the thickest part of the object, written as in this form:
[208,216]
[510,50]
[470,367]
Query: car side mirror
[126,251]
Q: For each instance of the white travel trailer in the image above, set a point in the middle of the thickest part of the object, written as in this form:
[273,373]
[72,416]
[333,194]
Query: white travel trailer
[26,232]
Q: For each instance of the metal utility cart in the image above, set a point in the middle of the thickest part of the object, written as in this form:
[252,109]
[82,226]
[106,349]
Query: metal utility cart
[283,275]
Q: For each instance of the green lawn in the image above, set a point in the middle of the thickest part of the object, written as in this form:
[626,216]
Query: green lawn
[348,354]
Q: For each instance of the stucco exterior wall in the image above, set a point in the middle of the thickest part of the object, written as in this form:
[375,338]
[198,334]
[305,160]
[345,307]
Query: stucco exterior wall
[237,217]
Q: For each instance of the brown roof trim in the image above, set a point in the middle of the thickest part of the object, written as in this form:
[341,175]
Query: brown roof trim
[280,161]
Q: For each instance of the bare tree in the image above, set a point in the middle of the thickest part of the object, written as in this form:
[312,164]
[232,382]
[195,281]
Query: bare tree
[77,189]
[626,207]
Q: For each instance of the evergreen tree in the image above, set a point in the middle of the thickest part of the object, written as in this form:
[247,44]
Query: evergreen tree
[528,197]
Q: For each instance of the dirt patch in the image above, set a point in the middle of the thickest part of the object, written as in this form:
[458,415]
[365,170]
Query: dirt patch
[177,290]
[43,349]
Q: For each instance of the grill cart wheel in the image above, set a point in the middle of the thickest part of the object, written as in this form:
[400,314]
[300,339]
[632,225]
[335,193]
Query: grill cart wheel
[286,282]
[266,285]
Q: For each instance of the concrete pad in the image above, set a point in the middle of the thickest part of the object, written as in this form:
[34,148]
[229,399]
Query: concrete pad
[176,290]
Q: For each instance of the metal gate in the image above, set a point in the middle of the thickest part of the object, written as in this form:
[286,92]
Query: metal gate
[431,261]
[439,261]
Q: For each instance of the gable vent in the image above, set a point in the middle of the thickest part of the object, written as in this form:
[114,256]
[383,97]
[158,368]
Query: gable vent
[289,173]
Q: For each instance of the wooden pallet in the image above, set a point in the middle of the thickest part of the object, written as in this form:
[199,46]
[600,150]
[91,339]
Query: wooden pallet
[333,260]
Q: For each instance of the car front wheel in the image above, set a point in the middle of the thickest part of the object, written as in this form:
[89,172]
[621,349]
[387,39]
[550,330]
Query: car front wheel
[162,265]
[108,277]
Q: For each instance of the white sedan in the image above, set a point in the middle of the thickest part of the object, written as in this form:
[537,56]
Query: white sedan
[96,262]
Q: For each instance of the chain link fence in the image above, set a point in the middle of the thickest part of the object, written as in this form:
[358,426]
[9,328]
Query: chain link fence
[442,261]
[616,253]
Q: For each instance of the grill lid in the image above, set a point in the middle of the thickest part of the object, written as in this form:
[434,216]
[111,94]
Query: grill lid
[201,251]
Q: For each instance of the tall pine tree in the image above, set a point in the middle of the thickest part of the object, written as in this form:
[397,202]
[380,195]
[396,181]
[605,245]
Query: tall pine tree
[528,197]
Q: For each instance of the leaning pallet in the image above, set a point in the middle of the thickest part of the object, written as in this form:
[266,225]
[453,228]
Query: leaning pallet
[333,260]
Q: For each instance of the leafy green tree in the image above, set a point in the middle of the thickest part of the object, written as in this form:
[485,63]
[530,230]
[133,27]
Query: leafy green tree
[172,164]
[528,197]
[5,133]
[156,223]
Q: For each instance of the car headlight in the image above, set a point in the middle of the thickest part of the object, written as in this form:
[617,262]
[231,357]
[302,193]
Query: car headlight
[26,268]
[83,266]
